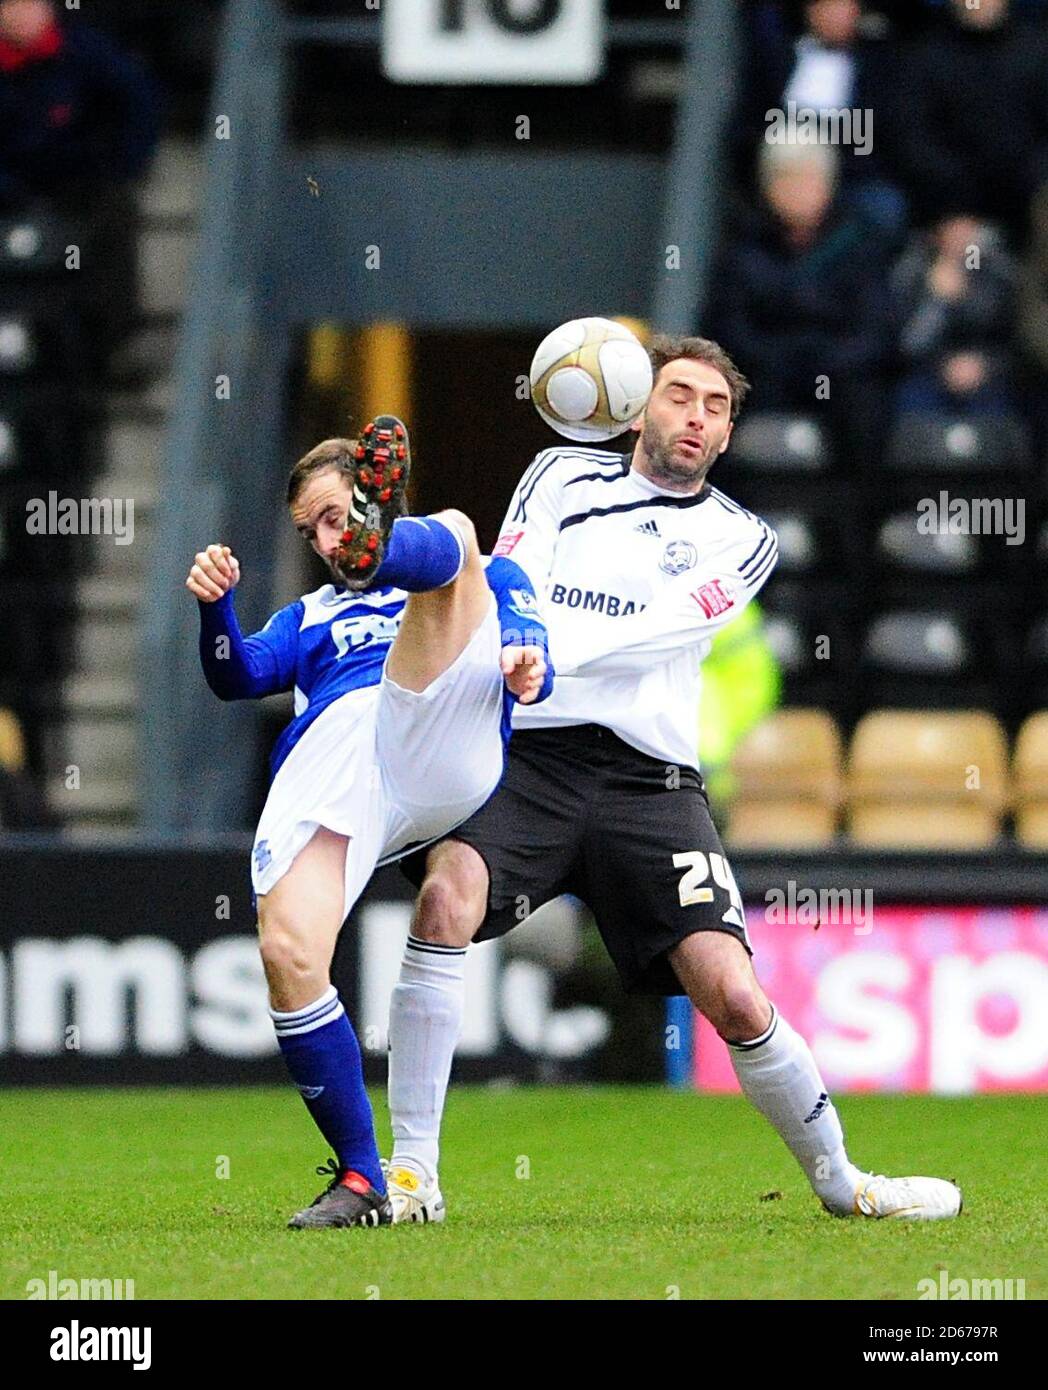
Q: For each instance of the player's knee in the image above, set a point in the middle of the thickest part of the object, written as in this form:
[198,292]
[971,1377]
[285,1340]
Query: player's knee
[465,528]
[286,958]
[738,1009]
[450,904]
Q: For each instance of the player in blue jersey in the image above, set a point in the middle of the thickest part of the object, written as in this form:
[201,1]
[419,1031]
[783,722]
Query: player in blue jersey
[403,671]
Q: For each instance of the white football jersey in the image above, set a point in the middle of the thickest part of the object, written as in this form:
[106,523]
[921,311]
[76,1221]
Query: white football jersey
[632,582]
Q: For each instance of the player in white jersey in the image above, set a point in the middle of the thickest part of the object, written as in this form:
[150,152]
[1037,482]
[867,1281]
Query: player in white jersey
[637,561]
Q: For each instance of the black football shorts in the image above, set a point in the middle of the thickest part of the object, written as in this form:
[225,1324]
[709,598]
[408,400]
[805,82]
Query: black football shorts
[580,811]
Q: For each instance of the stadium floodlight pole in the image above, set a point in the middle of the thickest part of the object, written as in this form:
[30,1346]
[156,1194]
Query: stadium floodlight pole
[694,175]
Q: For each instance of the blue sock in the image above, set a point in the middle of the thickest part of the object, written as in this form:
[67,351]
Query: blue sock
[422,554]
[322,1055]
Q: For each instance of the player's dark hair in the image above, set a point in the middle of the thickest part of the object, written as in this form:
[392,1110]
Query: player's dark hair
[330,453]
[668,347]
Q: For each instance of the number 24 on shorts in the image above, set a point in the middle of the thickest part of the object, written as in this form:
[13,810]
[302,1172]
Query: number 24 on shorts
[698,866]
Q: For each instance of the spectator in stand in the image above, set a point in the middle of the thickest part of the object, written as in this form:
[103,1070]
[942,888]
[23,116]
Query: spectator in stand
[975,97]
[77,115]
[954,291]
[79,120]
[1033,315]
[801,297]
[841,57]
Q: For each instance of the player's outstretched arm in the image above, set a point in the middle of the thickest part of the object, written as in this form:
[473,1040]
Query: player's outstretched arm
[238,667]
[525,661]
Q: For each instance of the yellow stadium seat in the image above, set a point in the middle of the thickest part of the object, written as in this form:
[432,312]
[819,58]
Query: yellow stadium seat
[780,825]
[12,742]
[1030,782]
[927,779]
[787,772]
[935,825]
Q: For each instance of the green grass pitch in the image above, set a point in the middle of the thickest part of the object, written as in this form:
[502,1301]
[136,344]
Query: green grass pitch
[576,1192]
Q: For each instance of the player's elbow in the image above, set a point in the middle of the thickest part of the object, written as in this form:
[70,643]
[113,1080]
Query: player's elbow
[222,686]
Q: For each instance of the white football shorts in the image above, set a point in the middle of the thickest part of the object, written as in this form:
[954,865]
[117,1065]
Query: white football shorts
[389,768]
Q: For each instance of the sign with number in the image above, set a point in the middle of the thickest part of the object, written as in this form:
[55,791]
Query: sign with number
[469,41]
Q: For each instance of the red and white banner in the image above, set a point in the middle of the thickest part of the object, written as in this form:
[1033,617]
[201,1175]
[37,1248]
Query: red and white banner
[943,999]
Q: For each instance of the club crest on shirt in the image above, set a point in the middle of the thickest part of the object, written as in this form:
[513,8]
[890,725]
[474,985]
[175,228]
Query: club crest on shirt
[678,557]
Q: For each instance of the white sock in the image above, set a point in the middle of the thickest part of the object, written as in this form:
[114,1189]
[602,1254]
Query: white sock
[778,1074]
[425,1018]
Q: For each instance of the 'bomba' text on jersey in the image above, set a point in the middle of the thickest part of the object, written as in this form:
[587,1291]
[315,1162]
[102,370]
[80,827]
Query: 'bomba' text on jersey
[612,604]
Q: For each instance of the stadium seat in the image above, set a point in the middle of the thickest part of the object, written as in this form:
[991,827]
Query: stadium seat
[1030,782]
[12,742]
[40,346]
[788,777]
[906,548]
[789,641]
[918,643]
[944,444]
[19,347]
[776,443]
[786,824]
[32,245]
[922,779]
[800,550]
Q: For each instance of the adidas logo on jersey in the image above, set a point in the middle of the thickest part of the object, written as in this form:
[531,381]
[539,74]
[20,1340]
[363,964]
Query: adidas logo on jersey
[649,528]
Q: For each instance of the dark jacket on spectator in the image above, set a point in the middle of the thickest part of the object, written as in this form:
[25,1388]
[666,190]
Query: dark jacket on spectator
[769,59]
[930,328]
[976,127]
[790,315]
[75,111]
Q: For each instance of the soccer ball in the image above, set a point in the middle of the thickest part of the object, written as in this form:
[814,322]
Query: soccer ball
[590,379]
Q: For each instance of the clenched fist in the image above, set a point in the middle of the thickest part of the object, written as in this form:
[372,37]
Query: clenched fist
[215,571]
[524,669]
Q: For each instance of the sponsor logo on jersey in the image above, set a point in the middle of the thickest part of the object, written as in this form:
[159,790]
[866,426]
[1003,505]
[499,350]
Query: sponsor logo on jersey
[349,634]
[678,557]
[712,598]
[649,528]
[594,601]
[262,855]
[505,543]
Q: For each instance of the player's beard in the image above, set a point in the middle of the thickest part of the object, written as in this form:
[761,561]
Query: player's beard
[666,468]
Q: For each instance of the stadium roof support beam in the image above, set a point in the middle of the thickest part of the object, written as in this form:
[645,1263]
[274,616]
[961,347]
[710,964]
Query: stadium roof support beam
[223,455]
[695,174]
